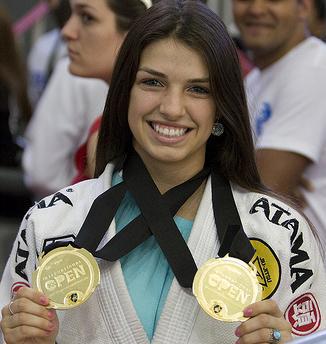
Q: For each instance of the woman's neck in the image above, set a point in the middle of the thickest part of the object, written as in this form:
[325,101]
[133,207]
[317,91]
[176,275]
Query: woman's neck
[189,208]
[166,178]
[167,175]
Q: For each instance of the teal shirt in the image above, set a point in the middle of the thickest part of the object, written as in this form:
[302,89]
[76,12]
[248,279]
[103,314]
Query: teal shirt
[146,271]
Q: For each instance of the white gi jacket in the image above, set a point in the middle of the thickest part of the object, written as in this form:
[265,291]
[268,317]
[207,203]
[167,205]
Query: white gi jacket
[59,125]
[289,266]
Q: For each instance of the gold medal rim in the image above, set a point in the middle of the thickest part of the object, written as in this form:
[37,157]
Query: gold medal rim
[81,253]
[250,271]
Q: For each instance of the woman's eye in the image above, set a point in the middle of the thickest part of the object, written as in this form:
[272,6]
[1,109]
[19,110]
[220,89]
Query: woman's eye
[152,82]
[86,18]
[199,90]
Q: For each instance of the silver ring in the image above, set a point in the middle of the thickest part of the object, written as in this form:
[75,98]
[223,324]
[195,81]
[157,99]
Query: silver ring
[275,336]
[9,307]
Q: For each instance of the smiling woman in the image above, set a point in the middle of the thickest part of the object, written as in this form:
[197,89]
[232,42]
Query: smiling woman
[171,109]
[172,193]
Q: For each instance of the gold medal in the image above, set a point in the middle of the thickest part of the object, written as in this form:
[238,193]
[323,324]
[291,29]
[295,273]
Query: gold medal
[225,286]
[67,276]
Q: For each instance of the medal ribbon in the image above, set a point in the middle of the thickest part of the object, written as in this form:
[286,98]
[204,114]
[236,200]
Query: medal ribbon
[156,219]
[230,232]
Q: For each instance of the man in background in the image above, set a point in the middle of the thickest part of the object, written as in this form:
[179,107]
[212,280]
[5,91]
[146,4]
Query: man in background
[286,96]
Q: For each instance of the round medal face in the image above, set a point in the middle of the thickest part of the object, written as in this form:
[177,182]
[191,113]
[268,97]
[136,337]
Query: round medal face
[225,286]
[67,276]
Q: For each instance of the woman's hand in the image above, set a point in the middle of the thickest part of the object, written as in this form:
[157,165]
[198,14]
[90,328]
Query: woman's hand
[264,317]
[27,320]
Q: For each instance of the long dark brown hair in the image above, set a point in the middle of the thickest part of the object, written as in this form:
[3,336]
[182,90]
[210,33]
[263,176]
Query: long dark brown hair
[126,12]
[320,6]
[13,74]
[194,24]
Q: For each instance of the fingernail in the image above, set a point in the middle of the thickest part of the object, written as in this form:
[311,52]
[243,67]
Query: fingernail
[247,312]
[43,300]
[50,314]
[51,326]
[237,332]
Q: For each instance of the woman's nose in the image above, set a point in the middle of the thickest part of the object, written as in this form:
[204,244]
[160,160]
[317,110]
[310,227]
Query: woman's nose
[70,30]
[172,104]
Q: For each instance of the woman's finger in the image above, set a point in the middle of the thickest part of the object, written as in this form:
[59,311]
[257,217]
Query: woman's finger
[263,321]
[33,295]
[21,326]
[26,306]
[265,335]
[26,302]
[263,307]
[265,318]
[28,319]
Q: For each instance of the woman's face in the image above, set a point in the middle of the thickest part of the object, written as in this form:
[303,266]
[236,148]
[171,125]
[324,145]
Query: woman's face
[171,109]
[92,38]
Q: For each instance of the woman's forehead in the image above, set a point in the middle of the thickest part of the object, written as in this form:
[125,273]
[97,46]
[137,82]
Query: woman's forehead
[171,54]
[88,3]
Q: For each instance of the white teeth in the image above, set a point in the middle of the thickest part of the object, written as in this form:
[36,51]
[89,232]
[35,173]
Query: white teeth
[169,132]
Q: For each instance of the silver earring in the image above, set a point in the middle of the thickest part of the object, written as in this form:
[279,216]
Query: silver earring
[218,129]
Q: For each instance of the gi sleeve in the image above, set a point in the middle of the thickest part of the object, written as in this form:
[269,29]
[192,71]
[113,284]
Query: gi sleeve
[306,311]
[21,262]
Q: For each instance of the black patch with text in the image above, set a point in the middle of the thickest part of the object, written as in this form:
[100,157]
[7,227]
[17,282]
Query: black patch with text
[281,217]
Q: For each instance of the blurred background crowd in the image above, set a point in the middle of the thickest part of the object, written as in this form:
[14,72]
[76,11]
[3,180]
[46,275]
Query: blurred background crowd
[47,114]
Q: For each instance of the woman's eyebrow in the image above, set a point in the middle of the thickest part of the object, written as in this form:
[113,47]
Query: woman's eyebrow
[152,71]
[199,80]
[162,75]
[83,6]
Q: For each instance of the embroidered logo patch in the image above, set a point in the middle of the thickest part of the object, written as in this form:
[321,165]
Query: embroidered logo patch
[268,267]
[304,315]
